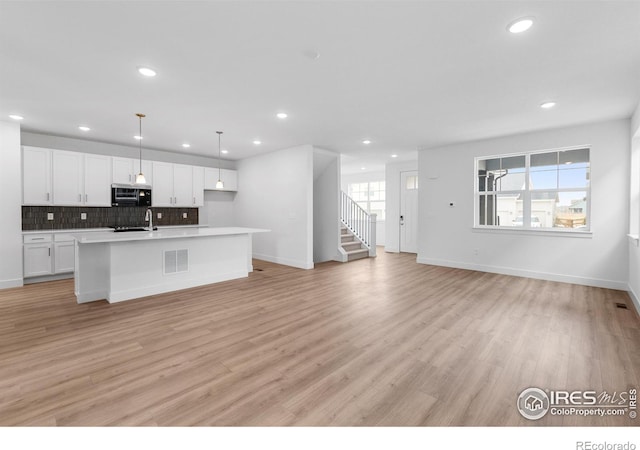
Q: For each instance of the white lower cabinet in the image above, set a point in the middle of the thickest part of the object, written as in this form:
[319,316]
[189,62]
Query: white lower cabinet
[37,260]
[48,254]
[63,254]
[37,255]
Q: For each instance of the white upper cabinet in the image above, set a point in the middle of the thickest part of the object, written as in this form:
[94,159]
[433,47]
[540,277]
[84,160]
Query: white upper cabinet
[97,177]
[172,185]
[126,169]
[162,193]
[36,179]
[122,170]
[198,186]
[147,171]
[182,185]
[68,178]
[81,179]
[228,177]
[60,177]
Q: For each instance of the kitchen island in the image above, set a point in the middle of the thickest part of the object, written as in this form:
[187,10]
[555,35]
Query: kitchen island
[123,266]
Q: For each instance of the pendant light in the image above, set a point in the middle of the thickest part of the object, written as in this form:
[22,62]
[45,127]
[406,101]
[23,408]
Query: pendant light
[140,179]
[219,184]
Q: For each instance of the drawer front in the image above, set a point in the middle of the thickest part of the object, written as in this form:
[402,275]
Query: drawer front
[63,238]
[36,238]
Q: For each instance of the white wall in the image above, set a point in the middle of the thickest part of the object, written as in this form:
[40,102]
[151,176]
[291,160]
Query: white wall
[634,249]
[326,205]
[276,192]
[218,209]
[124,151]
[10,201]
[362,178]
[447,236]
[392,177]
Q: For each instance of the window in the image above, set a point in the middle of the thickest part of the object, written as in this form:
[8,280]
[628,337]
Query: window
[370,196]
[536,190]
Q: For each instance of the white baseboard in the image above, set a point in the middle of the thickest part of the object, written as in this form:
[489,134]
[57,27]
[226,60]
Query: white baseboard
[284,261]
[635,298]
[42,279]
[91,296]
[596,282]
[391,249]
[176,285]
[16,282]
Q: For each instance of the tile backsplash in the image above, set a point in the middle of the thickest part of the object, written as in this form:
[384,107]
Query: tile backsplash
[70,217]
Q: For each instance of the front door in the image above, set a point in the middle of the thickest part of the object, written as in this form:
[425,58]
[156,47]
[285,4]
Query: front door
[409,211]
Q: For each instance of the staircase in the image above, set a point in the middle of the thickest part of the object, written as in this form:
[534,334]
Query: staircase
[353,248]
[357,231]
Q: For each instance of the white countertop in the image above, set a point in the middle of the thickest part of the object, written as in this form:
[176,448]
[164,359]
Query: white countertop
[96,230]
[167,233]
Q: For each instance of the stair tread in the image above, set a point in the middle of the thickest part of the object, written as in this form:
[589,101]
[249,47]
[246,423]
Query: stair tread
[360,250]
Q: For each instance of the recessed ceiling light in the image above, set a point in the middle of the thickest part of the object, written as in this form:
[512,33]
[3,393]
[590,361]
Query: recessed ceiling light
[312,54]
[520,25]
[363,168]
[83,128]
[224,152]
[257,142]
[146,71]
[548,105]
[16,117]
[394,156]
[185,145]
[282,115]
[366,142]
[138,137]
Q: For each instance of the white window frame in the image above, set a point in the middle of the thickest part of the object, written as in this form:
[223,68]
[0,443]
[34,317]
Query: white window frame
[369,201]
[526,194]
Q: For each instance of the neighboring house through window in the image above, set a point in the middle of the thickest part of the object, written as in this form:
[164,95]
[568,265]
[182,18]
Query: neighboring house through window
[534,190]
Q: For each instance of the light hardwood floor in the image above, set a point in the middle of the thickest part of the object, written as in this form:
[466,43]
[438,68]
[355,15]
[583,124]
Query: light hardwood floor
[381,341]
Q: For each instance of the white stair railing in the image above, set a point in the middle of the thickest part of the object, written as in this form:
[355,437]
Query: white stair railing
[361,223]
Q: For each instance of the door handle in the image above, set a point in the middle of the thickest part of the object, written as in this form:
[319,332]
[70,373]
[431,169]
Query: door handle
[401,220]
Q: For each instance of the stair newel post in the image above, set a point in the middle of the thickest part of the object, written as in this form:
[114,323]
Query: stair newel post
[372,235]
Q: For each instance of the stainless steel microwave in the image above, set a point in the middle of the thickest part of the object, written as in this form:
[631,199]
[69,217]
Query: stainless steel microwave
[130,195]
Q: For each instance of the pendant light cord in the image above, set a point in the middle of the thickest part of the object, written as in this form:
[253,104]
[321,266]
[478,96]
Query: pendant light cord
[219,152]
[140,143]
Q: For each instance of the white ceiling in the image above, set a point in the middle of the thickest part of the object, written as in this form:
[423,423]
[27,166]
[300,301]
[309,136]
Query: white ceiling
[406,75]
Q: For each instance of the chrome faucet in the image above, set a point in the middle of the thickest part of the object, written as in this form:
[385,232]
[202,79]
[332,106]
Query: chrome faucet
[148,217]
